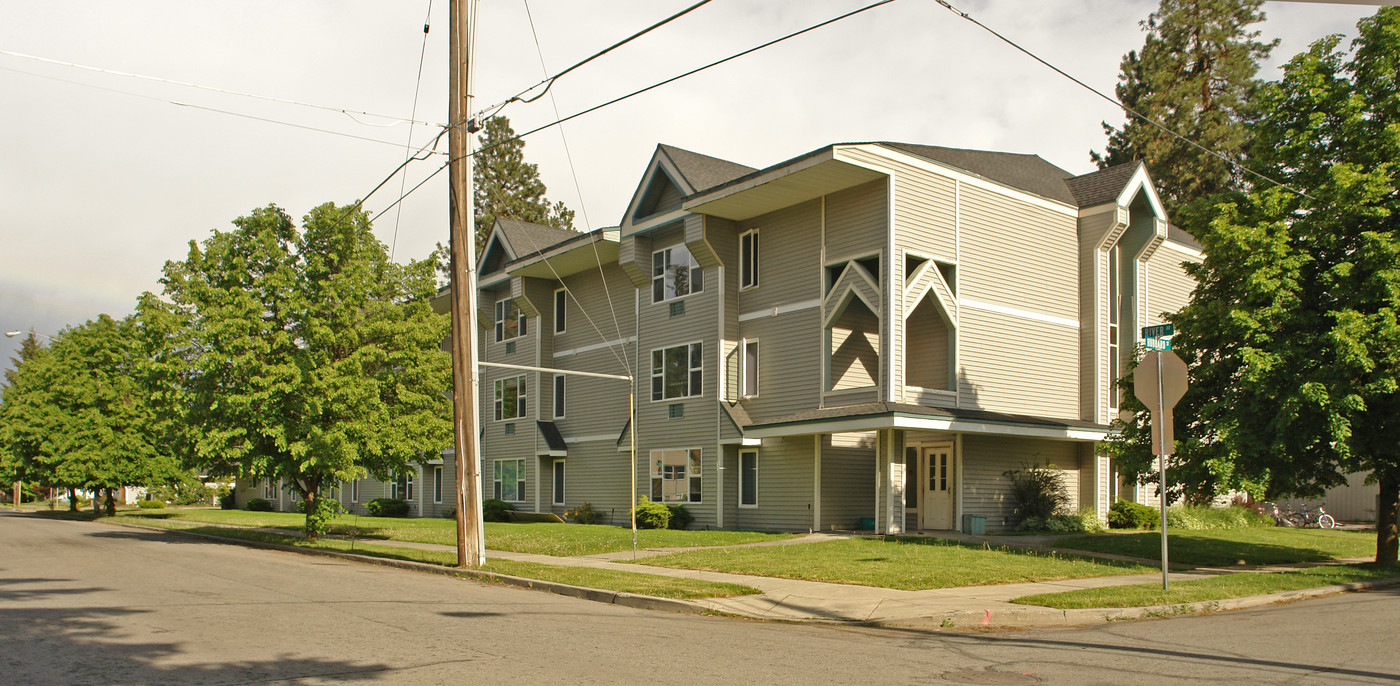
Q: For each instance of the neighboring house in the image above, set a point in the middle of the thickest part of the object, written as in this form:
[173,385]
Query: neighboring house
[870,334]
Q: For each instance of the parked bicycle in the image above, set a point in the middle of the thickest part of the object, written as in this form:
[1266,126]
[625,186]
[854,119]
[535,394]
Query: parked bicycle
[1281,518]
[1318,518]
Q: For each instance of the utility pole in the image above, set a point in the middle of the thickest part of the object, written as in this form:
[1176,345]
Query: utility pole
[471,546]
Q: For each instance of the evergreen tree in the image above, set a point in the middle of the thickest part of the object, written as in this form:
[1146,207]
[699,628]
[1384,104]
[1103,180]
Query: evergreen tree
[505,186]
[1194,74]
[1292,334]
[303,354]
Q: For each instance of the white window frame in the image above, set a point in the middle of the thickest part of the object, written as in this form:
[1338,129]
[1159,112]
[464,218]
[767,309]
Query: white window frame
[693,461]
[503,308]
[561,300]
[748,259]
[695,372]
[1115,327]
[355,491]
[747,390]
[560,395]
[521,407]
[665,272]
[742,504]
[406,492]
[559,481]
[498,485]
[437,485]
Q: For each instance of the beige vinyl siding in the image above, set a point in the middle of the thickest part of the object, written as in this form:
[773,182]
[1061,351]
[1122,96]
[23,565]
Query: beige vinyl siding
[784,486]
[986,459]
[857,222]
[855,346]
[789,269]
[1010,364]
[927,333]
[789,363]
[848,486]
[596,473]
[1169,287]
[924,212]
[1093,307]
[1354,501]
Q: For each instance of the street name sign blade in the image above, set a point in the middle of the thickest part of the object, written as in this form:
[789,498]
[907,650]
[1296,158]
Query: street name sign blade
[1157,343]
[1158,331]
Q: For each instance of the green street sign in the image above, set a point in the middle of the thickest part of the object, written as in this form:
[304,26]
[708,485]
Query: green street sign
[1158,331]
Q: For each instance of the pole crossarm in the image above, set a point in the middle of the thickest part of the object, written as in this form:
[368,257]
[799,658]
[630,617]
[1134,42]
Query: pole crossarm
[552,370]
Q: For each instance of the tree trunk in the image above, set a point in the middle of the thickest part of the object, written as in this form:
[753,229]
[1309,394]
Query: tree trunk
[1387,541]
[310,506]
[111,502]
[72,500]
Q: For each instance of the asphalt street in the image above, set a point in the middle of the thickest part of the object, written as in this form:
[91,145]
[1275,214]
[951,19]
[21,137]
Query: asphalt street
[88,603]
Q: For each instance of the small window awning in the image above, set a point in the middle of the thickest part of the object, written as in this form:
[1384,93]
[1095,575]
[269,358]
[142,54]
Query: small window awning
[553,441]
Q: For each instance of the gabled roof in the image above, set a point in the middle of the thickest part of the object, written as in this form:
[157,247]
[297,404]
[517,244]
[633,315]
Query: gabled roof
[527,238]
[1029,173]
[703,172]
[1182,236]
[1102,186]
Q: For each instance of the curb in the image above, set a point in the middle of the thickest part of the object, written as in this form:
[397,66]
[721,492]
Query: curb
[632,600]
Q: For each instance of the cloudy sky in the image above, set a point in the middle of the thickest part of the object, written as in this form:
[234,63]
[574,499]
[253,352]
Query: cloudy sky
[105,177]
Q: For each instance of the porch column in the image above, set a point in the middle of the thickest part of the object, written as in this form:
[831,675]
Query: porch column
[817,482]
[891,461]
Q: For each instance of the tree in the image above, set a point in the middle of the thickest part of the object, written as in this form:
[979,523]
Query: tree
[305,355]
[505,186]
[11,467]
[1292,333]
[1194,74]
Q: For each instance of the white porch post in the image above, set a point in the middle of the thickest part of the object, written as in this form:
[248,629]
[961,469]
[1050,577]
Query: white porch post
[958,482]
[894,495]
[817,482]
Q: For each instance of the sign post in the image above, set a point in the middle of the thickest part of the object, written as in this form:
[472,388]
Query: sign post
[1159,382]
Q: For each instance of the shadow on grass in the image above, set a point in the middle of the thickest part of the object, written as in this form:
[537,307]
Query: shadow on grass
[1223,548]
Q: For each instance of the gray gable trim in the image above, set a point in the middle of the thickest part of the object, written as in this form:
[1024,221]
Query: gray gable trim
[1103,186]
[703,172]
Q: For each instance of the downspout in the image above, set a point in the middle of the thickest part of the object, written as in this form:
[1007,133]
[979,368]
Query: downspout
[719,411]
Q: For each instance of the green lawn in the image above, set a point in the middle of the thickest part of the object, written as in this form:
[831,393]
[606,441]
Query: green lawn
[560,540]
[1254,546]
[626,582]
[1220,587]
[909,564]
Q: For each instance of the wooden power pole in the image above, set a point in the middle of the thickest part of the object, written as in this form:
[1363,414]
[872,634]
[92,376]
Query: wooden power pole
[471,548]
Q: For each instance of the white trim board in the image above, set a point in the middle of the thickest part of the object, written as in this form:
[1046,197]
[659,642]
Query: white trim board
[930,424]
[596,346]
[1017,312]
[780,309]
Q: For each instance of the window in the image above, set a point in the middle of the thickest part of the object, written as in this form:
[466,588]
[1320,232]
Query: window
[508,477]
[750,368]
[676,372]
[675,273]
[1114,295]
[437,484]
[560,298]
[402,486]
[675,476]
[558,482]
[510,398]
[355,491]
[267,489]
[748,259]
[510,321]
[558,396]
[748,478]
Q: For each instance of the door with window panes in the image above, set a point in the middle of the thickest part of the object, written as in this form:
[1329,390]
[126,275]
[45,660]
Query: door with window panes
[936,472]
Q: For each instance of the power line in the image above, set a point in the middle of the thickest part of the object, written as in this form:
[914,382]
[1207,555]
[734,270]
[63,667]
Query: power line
[408,144]
[1233,164]
[347,112]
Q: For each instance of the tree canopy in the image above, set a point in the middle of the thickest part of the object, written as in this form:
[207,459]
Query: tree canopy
[304,355]
[505,186]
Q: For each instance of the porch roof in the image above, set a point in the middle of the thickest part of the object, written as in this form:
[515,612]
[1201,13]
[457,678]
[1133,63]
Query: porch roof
[874,416]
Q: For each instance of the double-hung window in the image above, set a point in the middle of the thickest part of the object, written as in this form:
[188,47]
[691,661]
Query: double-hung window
[676,372]
[675,273]
[748,259]
[675,476]
[402,486]
[558,396]
[748,478]
[437,484]
[510,398]
[560,300]
[510,320]
[508,478]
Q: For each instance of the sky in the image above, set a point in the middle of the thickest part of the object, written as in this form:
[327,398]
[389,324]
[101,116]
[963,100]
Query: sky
[103,177]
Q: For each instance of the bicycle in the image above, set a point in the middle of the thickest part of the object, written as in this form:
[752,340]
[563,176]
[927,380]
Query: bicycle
[1318,518]
[1280,518]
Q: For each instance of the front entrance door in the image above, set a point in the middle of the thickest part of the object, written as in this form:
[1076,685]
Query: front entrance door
[936,510]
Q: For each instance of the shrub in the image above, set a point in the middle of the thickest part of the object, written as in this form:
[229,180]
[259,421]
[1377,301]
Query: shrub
[680,517]
[387,507]
[151,504]
[227,501]
[448,513]
[1039,492]
[1204,517]
[494,510]
[319,521]
[258,505]
[1085,521]
[652,515]
[583,514]
[1125,514]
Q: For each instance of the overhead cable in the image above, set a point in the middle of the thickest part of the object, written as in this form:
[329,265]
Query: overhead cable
[413,114]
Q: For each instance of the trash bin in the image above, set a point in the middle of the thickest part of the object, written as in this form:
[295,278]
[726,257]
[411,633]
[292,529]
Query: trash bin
[867,524]
[974,524]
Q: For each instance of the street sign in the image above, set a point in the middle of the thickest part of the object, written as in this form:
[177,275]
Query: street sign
[1158,331]
[1157,343]
[1159,382]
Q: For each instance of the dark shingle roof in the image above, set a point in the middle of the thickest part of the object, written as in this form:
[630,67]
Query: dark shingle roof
[527,238]
[1177,234]
[1029,173]
[550,432]
[703,172]
[1097,188]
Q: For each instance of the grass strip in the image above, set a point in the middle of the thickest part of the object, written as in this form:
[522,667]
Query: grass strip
[606,579]
[1222,587]
[1226,547]
[559,540]
[910,564]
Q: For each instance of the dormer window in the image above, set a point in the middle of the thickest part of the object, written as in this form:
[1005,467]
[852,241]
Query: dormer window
[675,274]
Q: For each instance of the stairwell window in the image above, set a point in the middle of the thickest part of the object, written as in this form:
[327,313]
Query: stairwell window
[675,476]
[510,398]
[676,372]
[1114,317]
[674,274]
[510,321]
[560,300]
[750,387]
[558,396]
[748,259]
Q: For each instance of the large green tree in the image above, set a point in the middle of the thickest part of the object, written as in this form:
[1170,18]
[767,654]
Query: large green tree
[11,467]
[304,354]
[505,186]
[1293,330]
[1195,75]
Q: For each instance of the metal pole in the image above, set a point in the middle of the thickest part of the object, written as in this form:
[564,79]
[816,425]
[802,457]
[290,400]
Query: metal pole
[632,424]
[1162,469]
[471,548]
